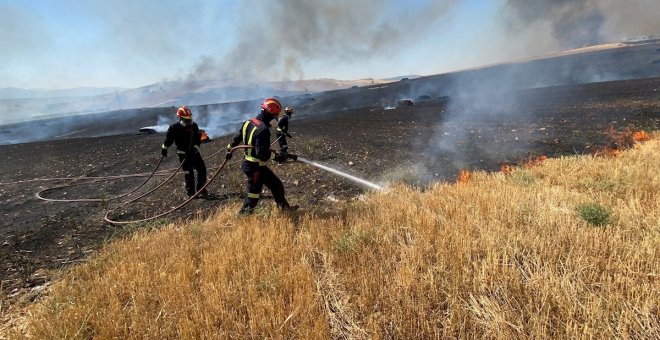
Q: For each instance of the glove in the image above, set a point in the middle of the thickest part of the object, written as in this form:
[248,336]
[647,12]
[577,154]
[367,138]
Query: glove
[228,155]
[289,135]
[292,156]
[163,152]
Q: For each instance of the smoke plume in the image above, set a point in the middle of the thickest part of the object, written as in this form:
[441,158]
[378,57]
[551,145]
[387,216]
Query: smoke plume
[577,23]
[278,37]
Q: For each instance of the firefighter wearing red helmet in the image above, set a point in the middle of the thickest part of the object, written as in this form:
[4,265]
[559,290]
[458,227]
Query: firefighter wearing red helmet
[283,131]
[256,133]
[186,136]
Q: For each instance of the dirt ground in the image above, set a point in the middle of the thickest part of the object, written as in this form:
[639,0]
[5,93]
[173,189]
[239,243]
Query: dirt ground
[413,144]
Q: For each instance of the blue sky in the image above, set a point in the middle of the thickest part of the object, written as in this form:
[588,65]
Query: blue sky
[72,43]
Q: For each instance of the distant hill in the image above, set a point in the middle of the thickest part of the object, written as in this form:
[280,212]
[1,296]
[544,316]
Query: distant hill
[19,93]
[411,76]
[27,104]
[220,105]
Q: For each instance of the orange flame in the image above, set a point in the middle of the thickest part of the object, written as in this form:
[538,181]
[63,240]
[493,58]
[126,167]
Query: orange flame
[463,176]
[640,136]
[204,137]
[535,161]
[506,169]
[618,140]
[608,152]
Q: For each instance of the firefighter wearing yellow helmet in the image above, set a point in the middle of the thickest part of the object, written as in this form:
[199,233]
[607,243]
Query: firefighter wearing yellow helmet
[186,136]
[256,133]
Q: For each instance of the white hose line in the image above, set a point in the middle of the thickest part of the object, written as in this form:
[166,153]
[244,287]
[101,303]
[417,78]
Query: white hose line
[342,174]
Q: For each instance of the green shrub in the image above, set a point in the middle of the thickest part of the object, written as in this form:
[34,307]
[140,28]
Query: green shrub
[595,214]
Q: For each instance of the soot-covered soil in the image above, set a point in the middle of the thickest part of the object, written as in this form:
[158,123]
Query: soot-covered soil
[413,144]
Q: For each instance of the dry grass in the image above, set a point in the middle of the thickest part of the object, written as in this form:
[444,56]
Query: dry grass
[501,256]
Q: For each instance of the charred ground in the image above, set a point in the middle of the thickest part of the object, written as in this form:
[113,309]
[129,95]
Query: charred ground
[413,144]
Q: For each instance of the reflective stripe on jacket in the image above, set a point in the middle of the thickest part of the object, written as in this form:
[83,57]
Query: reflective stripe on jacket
[255,133]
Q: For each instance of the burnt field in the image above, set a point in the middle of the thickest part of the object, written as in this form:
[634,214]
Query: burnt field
[429,141]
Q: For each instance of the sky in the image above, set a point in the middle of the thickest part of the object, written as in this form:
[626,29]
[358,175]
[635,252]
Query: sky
[129,43]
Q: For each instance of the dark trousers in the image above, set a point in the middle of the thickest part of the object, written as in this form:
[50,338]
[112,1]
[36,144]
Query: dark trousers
[192,162]
[284,147]
[257,176]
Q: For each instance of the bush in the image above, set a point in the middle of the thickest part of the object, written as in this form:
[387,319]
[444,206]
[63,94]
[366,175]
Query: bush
[595,214]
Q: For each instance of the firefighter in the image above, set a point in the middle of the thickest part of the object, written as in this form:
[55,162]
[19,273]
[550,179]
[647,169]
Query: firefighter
[283,131]
[256,133]
[185,134]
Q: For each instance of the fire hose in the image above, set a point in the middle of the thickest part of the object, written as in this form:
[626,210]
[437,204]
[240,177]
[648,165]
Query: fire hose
[154,172]
[115,222]
[41,197]
[100,179]
[105,178]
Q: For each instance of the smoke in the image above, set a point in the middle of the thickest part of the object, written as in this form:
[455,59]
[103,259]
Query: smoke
[223,119]
[135,41]
[576,23]
[277,38]
[494,97]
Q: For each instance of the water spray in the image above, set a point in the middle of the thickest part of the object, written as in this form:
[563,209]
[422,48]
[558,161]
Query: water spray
[342,174]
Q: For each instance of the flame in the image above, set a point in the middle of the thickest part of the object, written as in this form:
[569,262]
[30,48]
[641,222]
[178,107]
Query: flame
[463,176]
[535,161]
[205,137]
[617,140]
[626,138]
[640,136]
[607,152]
[506,169]
[621,140]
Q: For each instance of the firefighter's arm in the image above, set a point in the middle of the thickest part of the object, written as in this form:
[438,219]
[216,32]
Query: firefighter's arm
[169,139]
[262,146]
[198,136]
[197,140]
[283,124]
[235,140]
[286,129]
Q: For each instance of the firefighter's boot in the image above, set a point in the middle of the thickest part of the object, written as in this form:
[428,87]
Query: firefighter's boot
[203,194]
[283,152]
[248,206]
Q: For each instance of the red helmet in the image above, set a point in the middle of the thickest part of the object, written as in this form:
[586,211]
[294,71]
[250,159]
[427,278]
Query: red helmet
[272,106]
[184,113]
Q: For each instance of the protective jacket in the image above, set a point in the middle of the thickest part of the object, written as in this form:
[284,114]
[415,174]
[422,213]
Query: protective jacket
[256,133]
[186,138]
[283,124]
